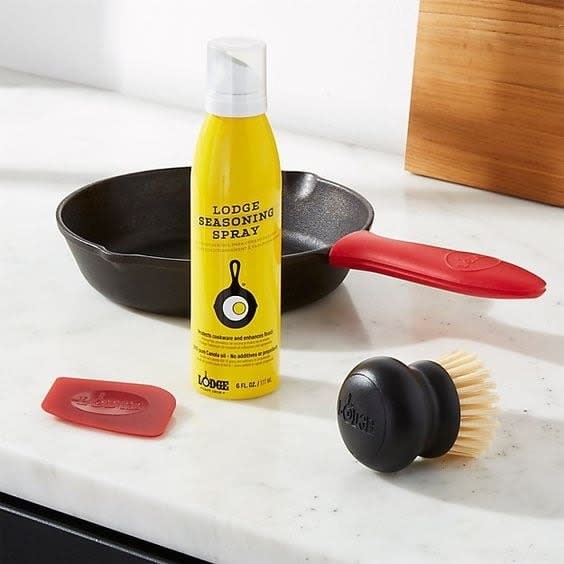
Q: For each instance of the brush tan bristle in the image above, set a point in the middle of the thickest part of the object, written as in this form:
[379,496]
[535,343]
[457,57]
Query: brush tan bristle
[476,393]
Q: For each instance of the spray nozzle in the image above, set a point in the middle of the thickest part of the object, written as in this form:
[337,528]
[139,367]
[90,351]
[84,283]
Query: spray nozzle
[236,77]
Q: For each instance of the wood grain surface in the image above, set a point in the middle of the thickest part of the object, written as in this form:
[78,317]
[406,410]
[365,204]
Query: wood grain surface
[487,107]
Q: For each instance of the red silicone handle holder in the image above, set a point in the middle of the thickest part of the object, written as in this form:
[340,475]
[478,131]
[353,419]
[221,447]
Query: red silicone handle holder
[457,271]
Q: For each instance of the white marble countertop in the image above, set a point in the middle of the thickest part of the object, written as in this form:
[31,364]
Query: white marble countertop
[269,480]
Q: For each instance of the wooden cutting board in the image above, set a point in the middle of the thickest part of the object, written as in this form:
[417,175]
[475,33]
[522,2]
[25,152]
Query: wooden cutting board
[487,107]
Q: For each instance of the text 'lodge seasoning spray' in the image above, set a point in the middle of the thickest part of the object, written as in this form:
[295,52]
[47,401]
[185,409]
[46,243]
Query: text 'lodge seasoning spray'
[236,230]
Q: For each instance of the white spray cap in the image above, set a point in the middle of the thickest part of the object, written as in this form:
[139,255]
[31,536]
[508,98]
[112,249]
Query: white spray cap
[236,77]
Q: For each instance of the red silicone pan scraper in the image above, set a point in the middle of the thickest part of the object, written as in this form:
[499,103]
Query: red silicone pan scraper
[122,407]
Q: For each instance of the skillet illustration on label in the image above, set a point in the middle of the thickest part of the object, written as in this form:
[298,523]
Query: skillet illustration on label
[235,306]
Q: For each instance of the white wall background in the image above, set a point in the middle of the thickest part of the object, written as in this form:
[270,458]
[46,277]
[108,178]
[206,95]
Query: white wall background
[337,68]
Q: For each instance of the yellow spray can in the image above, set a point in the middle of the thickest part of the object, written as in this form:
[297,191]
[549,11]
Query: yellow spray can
[235,211]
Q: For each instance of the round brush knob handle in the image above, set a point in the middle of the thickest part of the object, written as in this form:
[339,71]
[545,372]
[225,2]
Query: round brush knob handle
[389,413]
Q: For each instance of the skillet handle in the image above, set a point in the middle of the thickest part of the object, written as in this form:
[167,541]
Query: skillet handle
[457,271]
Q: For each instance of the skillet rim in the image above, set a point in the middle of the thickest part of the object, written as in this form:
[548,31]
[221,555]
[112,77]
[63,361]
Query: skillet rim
[160,261]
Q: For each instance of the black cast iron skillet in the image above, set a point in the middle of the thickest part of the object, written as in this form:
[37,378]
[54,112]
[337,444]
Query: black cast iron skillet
[130,237]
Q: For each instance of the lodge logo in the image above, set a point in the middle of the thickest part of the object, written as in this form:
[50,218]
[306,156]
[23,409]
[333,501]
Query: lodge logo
[212,384]
[350,415]
[109,402]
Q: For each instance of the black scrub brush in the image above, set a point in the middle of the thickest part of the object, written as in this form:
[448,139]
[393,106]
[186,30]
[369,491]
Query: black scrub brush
[390,413]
